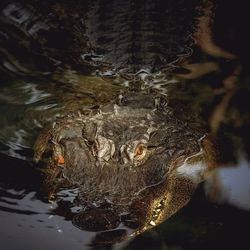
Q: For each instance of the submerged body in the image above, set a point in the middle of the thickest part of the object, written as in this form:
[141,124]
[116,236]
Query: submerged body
[132,163]
[89,35]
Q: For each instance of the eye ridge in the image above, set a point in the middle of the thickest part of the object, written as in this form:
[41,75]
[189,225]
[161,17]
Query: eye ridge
[95,147]
[103,148]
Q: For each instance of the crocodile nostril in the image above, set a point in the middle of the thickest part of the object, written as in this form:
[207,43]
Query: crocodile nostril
[96,219]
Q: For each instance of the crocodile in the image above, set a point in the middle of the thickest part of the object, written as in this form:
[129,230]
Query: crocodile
[132,162]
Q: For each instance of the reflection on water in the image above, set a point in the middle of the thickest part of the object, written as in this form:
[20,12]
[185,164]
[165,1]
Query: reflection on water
[27,224]
[58,57]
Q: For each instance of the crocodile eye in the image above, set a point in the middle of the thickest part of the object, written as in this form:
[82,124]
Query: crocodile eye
[140,151]
[58,154]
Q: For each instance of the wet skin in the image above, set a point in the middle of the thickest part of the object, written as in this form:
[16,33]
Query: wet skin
[132,163]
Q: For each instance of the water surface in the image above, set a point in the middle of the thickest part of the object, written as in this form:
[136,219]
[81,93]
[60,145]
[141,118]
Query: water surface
[53,62]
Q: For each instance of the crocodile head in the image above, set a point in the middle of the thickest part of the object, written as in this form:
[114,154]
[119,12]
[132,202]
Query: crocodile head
[127,161]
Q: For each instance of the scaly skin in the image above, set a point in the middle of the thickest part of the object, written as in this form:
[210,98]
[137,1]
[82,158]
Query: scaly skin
[128,159]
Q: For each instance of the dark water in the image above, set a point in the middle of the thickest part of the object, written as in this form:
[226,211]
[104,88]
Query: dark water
[56,57]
